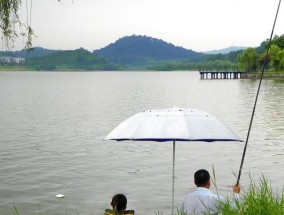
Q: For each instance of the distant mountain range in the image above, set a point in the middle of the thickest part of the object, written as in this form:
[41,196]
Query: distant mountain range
[34,52]
[129,52]
[226,50]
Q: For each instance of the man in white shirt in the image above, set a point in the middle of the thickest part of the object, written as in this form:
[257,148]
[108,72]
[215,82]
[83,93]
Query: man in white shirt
[202,200]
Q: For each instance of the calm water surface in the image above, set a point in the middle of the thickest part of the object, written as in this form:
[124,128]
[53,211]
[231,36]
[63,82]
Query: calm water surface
[53,125]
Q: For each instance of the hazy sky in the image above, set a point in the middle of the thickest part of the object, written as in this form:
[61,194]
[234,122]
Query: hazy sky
[200,25]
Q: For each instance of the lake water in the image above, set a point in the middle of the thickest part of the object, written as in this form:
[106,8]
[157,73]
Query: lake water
[53,126]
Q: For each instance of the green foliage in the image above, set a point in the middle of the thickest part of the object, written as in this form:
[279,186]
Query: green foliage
[278,41]
[233,55]
[248,60]
[215,57]
[79,59]
[8,18]
[11,23]
[15,210]
[280,56]
[217,65]
[275,54]
[257,199]
[174,66]
[254,59]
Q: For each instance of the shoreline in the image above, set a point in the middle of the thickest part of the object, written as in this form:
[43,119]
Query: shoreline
[243,75]
[278,75]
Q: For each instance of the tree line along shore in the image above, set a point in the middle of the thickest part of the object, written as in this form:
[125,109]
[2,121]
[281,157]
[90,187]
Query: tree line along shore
[139,58]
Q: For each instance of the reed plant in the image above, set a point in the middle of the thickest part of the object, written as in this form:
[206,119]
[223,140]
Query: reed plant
[258,199]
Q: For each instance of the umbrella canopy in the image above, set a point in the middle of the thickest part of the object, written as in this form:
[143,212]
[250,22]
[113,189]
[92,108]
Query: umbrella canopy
[173,124]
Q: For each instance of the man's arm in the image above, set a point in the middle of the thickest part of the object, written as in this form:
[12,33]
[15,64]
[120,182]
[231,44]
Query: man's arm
[236,191]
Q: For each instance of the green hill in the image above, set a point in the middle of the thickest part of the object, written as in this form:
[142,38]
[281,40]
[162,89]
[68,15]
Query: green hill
[143,51]
[79,59]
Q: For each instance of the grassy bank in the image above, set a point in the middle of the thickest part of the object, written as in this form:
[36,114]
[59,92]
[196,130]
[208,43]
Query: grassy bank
[258,199]
[266,75]
[14,68]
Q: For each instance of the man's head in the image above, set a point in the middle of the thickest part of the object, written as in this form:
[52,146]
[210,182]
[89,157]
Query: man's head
[119,202]
[202,178]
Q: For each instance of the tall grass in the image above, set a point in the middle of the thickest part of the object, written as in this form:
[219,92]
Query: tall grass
[258,199]
[15,210]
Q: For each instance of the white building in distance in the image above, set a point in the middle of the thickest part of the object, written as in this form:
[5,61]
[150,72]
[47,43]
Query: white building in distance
[17,60]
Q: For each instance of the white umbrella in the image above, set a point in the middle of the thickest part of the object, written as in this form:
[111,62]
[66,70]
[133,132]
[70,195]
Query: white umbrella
[173,124]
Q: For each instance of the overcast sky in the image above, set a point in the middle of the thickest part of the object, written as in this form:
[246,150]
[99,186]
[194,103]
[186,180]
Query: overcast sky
[200,25]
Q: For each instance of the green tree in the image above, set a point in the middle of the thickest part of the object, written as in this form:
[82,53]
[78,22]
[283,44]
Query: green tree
[279,41]
[10,20]
[274,56]
[280,56]
[248,60]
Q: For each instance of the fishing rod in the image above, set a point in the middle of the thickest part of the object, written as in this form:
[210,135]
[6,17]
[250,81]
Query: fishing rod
[258,89]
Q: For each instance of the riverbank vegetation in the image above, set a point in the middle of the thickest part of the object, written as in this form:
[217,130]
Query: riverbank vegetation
[248,60]
[252,59]
[144,53]
[257,198]
[70,60]
[73,60]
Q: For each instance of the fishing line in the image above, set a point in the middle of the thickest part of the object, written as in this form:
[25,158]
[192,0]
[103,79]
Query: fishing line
[256,98]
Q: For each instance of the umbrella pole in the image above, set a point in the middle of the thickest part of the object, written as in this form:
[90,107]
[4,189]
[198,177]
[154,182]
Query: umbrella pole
[173,176]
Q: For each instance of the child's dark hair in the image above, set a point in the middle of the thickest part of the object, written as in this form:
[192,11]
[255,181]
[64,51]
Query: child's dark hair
[119,202]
